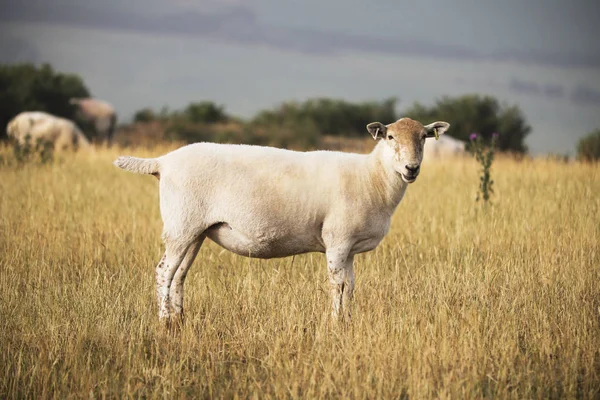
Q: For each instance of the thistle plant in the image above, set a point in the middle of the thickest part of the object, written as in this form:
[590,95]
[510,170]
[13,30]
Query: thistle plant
[485,156]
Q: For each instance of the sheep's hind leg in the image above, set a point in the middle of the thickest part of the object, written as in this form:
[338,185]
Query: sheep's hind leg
[341,279]
[348,292]
[176,290]
[165,272]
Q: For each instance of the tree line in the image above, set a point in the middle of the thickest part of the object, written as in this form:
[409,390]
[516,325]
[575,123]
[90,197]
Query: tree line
[303,123]
[26,87]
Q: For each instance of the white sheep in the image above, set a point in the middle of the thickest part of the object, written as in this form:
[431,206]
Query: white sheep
[37,125]
[445,147]
[99,114]
[265,202]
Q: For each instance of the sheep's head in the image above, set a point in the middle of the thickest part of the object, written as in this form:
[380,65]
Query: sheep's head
[406,138]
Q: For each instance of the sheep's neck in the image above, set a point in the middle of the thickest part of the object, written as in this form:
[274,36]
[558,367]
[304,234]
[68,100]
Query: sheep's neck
[387,184]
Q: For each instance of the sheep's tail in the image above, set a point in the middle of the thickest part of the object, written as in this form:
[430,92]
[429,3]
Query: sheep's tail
[138,165]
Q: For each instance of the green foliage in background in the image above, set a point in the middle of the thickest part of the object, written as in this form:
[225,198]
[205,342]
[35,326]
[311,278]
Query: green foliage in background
[197,122]
[291,124]
[329,116]
[476,113]
[205,112]
[26,87]
[588,147]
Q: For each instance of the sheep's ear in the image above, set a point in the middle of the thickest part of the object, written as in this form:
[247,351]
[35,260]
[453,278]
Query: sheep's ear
[377,130]
[436,129]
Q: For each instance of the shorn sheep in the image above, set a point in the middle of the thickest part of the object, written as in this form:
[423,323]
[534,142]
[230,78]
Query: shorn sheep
[37,125]
[446,147]
[99,114]
[265,202]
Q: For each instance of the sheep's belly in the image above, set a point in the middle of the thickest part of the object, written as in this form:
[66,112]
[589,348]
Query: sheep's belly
[264,246]
[366,244]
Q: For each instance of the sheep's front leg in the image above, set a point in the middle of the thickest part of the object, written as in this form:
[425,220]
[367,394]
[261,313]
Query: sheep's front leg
[341,279]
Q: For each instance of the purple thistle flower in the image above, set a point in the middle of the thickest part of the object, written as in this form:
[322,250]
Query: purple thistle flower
[495,135]
[473,136]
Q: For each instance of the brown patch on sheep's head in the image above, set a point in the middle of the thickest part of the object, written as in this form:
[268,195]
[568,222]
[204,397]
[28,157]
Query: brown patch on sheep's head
[406,138]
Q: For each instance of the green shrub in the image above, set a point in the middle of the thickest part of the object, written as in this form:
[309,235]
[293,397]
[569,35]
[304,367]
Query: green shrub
[26,87]
[476,113]
[588,147]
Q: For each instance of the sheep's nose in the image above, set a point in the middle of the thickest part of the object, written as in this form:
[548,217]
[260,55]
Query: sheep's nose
[412,168]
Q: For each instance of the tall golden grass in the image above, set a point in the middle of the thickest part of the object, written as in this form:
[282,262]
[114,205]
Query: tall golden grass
[460,300]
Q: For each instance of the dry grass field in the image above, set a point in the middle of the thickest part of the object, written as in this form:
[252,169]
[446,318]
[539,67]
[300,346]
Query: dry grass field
[459,300]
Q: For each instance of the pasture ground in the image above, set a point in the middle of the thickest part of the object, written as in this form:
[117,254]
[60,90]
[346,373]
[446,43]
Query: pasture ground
[459,301]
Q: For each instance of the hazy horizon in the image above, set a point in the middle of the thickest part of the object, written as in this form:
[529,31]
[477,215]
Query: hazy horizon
[249,55]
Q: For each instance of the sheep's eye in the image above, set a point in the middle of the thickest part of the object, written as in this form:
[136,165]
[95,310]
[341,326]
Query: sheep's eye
[390,137]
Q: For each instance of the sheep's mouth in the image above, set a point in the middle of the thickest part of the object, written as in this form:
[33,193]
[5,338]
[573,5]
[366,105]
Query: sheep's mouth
[409,178]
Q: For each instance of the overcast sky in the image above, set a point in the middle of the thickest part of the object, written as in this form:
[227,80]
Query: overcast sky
[543,55]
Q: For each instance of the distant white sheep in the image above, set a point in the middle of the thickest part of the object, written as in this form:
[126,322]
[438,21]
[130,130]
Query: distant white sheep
[446,146]
[37,125]
[265,202]
[99,114]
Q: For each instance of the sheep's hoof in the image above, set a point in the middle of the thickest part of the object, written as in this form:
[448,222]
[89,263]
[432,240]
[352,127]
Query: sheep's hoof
[173,324]
[341,319]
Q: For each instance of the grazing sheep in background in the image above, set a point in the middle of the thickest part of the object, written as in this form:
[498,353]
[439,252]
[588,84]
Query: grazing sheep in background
[446,146]
[37,125]
[265,202]
[99,114]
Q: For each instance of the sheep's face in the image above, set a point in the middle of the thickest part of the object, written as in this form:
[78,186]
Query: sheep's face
[406,139]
